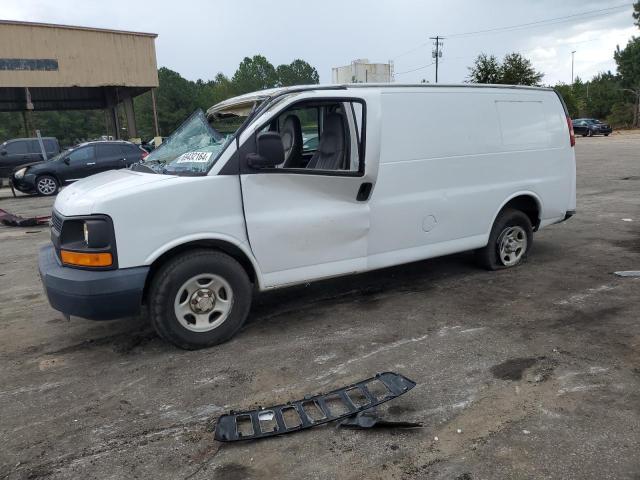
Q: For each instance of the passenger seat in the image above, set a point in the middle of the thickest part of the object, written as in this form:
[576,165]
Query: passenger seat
[291,134]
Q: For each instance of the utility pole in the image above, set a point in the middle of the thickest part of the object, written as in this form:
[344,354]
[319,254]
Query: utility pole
[572,55]
[437,52]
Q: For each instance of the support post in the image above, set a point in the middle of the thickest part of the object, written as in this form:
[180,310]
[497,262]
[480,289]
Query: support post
[155,112]
[132,131]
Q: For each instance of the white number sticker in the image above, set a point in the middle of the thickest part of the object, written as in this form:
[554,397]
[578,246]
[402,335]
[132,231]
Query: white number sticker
[194,157]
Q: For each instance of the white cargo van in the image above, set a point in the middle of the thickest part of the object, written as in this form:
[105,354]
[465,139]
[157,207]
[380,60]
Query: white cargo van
[292,185]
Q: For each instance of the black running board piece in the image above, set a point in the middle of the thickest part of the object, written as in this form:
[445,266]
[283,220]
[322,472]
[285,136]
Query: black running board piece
[312,410]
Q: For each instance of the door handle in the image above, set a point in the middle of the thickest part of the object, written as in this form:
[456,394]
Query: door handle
[364,192]
[90,163]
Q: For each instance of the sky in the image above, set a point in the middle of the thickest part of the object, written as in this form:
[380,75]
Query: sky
[199,38]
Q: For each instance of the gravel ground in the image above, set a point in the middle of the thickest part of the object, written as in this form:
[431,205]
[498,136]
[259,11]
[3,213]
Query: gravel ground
[537,367]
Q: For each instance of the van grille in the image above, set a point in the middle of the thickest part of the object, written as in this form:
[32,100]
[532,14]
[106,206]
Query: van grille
[56,221]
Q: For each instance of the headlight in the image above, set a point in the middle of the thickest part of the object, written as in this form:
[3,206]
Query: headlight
[20,173]
[87,242]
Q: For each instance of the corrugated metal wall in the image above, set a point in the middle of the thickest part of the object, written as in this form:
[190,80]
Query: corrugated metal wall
[84,57]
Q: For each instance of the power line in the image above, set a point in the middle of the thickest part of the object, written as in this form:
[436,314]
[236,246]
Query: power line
[589,14]
[577,16]
[414,70]
[411,51]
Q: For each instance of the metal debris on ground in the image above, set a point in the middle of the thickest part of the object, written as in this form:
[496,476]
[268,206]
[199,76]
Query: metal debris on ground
[12,220]
[312,410]
[628,273]
[370,419]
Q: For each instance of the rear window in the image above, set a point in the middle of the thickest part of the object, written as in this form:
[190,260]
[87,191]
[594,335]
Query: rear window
[130,150]
[109,150]
[16,148]
[50,146]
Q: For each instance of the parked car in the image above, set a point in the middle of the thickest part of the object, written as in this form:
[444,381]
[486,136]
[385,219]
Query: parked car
[20,151]
[45,178]
[588,127]
[224,217]
[150,145]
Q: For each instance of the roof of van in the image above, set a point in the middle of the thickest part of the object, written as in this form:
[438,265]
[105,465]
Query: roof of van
[260,95]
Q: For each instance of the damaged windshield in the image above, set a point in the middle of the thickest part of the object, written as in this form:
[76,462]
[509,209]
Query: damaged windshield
[195,146]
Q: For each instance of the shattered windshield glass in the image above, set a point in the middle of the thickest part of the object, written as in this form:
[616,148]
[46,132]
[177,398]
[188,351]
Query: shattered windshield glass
[191,150]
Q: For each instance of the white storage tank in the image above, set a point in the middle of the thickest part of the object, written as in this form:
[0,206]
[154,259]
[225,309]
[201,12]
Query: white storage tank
[361,71]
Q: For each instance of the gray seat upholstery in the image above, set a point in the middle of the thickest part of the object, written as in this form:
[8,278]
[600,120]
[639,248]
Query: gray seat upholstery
[291,134]
[331,149]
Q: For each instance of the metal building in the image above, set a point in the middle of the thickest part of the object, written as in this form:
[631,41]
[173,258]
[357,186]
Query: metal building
[61,67]
[361,71]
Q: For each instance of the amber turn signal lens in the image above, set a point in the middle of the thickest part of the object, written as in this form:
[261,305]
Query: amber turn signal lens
[86,259]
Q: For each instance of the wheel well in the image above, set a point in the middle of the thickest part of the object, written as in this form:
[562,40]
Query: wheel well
[529,206]
[220,245]
[48,174]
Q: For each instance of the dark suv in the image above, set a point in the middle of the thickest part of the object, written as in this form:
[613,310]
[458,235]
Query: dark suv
[588,127]
[20,151]
[45,178]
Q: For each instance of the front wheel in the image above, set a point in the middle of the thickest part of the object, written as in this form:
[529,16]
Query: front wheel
[606,134]
[46,185]
[199,299]
[509,242]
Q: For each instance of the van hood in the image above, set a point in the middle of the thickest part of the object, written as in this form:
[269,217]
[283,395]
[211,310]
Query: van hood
[81,197]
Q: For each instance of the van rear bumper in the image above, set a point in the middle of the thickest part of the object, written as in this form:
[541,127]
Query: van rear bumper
[568,215]
[94,295]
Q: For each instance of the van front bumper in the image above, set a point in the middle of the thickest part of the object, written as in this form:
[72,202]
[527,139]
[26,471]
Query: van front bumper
[91,294]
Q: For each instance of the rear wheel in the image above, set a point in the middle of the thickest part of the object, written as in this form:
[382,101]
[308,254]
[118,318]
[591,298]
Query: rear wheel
[46,185]
[606,134]
[510,240]
[199,299]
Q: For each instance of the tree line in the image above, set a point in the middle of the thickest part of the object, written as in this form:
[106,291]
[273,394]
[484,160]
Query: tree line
[614,97]
[176,98]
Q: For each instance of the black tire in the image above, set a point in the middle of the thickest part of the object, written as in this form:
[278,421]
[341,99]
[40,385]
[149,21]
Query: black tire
[172,276]
[606,134]
[585,133]
[489,256]
[46,185]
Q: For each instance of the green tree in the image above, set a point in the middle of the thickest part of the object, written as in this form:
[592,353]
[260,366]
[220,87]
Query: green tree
[518,70]
[297,72]
[485,69]
[255,73]
[569,99]
[514,70]
[636,13]
[603,91]
[628,61]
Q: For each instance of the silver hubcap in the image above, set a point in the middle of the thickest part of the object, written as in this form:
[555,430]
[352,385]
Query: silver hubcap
[512,245]
[203,302]
[46,186]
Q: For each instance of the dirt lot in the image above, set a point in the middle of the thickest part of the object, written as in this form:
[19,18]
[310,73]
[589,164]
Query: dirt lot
[538,367]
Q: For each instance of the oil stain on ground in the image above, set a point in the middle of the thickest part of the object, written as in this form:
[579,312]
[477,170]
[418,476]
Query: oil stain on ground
[233,471]
[513,368]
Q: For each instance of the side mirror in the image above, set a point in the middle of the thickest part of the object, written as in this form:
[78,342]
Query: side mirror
[3,152]
[66,160]
[270,151]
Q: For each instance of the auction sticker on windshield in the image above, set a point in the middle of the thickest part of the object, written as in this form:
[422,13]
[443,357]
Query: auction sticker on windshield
[194,157]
